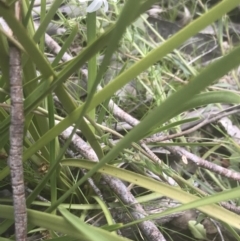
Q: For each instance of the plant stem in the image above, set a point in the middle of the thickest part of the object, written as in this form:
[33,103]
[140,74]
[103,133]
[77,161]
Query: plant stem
[92,63]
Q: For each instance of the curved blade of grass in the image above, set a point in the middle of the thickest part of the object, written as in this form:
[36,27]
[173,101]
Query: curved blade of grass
[171,192]
[212,97]
[60,224]
[105,210]
[91,233]
[207,98]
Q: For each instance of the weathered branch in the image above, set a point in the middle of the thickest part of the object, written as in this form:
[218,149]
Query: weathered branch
[16,139]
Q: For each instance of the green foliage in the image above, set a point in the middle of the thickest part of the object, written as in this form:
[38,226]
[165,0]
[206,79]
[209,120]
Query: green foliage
[197,230]
[43,80]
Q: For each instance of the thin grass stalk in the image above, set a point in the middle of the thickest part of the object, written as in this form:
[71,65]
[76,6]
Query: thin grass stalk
[42,15]
[92,63]
[52,150]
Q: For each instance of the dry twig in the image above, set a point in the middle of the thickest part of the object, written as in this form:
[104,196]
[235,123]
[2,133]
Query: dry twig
[16,138]
[204,164]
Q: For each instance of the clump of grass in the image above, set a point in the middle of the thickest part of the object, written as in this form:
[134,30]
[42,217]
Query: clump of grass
[159,98]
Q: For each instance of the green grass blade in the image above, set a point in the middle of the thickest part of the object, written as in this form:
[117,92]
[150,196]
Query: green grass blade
[60,224]
[171,192]
[212,97]
[91,233]
[66,45]
[47,19]
[105,210]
